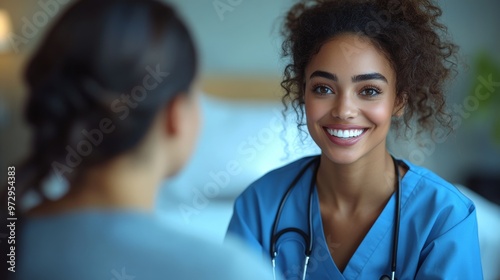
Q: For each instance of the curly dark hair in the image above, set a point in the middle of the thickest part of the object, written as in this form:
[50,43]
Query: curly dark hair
[407,32]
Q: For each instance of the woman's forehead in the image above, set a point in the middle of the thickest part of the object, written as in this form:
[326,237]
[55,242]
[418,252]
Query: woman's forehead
[347,55]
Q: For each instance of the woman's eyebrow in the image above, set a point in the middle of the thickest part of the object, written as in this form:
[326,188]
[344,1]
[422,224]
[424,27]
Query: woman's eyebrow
[325,75]
[355,79]
[369,76]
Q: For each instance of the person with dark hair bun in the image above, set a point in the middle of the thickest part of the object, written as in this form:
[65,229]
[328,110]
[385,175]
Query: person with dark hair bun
[356,68]
[113,104]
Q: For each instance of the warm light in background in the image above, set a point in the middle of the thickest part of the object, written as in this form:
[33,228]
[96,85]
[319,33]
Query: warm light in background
[5,30]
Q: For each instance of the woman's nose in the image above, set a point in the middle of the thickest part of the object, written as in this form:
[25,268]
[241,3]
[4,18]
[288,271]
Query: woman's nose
[344,107]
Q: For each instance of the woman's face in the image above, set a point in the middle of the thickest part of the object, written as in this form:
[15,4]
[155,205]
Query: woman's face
[350,94]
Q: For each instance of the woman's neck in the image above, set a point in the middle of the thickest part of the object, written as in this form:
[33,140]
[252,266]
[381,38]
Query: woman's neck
[120,184]
[362,186]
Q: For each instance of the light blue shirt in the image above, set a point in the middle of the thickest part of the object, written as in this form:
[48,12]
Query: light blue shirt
[438,229]
[120,245]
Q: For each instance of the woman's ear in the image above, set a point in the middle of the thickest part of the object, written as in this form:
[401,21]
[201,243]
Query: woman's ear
[180,126]
[173,115]
[182,116]
[400,104]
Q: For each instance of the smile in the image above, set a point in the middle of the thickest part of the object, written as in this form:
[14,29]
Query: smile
[349,133]
[345,136]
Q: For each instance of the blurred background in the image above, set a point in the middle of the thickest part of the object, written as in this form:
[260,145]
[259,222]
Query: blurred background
[244,135]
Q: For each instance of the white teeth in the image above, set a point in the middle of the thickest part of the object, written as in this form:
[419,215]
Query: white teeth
[345,133]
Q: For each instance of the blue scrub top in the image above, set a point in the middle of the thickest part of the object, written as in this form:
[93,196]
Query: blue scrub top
[438,229]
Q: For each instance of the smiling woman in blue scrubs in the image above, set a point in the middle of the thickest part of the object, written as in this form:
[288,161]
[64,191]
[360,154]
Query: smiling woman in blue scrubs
[354,211]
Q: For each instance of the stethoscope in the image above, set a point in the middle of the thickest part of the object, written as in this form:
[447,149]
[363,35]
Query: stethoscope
[308,237]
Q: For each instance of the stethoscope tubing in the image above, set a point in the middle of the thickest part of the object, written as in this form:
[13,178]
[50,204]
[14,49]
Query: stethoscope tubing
[307,237]
[397,219]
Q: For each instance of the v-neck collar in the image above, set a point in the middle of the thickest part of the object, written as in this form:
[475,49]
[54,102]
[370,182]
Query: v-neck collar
[379,230]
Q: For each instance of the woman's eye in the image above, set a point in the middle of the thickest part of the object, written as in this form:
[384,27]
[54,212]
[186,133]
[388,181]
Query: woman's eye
[370,92]
[322,90]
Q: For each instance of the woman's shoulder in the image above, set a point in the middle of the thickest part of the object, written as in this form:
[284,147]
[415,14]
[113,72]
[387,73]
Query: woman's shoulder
[430,195]
[111,229]
[122,243]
